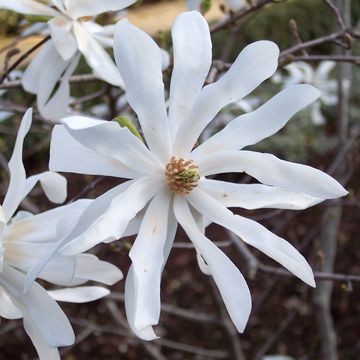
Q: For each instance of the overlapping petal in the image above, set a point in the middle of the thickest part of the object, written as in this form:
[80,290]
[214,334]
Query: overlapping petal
[98,59]
[248,129]
[144,85]
[28,7]
[147,256]
[15,192]
[67,154]
[53,184]
[109,139]
[257,62]
[79,294]
[61,36]
[79,8]
[229,280]
[38,308]
[44,351]
[256,196]
[192,60]
[254,234]
[270,170]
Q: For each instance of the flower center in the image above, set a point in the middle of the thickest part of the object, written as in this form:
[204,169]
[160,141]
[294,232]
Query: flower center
[181,175]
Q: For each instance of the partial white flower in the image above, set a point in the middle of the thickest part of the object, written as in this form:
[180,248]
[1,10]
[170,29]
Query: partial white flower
[27,238]
[168,176]
[72,32]
[302,72]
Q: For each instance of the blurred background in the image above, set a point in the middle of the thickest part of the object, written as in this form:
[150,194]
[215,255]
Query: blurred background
[288,317]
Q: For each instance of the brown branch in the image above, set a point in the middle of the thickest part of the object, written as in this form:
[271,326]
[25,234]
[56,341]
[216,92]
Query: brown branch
[337,14]
[22,58]
[240,15]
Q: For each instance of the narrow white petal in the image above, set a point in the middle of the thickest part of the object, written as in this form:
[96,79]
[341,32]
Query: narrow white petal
[28,7]
[32,73]
[38,308]
[229,280]
[95,55]
[256,196]
[104,220]
[41,228]
[81,8]
[68,155]
[270,170]
[62,38]
[79,295]
[248,129]
[44,351]
[192,60]
[47,71]
[8,310]
[254,234]
[89,267]
[15,190]
[53,184]
[147,256]
[256,63]
[148,333]
[130,294]
[144,84]
[109,139]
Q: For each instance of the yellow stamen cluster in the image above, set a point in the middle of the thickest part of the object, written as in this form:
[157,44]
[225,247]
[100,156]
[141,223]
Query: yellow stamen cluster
[181,175]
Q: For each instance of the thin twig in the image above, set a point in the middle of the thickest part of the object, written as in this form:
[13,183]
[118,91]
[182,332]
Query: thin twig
[22,58]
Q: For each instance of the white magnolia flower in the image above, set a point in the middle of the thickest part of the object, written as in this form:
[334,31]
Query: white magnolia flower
[72,33]
[25,239]
[168,176]
[302,72]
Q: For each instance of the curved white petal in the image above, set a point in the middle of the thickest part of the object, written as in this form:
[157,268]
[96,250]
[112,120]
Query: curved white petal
[192,60]
[229,280]
[41,228]
[44,351]
[256,63]
[15,190]
[28,7]
[68,155]
[109,139]
[79,295]
[105,221]
[8,309]
[144,84]
[62,38]
[79,8]
[270,170]
[148,333]
[95,55]
[254,234]
[32,73]
[89,267]
[256,196]
[53,184]
[53,100]
[38,308]
[248,129]
[130,294]
[147,256]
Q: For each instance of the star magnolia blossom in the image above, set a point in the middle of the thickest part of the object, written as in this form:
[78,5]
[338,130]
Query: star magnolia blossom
[71,33]
[25,239]
[168,176]
[302,72]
